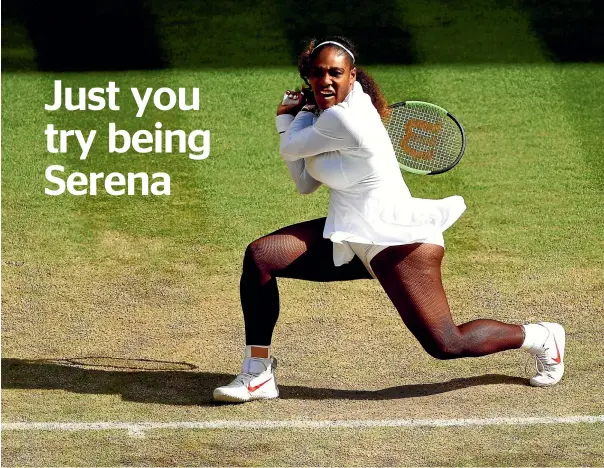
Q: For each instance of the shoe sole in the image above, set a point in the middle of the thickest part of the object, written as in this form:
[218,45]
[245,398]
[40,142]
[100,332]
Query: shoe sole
[223,397]
[546,384]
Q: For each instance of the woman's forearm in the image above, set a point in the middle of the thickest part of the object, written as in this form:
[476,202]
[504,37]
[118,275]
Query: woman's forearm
[303,139]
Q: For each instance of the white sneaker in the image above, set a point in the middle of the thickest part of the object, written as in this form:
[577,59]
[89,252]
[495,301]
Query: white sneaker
[256,382]
[549,357]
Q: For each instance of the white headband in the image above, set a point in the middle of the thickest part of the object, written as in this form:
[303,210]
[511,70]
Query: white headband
[335,43]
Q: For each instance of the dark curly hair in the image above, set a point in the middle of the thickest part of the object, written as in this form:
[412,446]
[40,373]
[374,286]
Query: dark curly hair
[367,82]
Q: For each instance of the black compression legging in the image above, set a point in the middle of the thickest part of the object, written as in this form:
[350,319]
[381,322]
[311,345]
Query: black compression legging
[298,251]
[410,275]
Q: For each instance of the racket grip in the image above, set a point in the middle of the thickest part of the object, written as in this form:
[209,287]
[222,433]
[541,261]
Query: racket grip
[288,100]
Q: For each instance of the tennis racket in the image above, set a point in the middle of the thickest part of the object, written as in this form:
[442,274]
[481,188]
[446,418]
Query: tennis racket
[426,138]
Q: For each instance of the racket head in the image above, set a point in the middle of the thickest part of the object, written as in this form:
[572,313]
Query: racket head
[426,138]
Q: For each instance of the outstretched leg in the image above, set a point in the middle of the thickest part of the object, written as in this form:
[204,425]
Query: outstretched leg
[411,276]
[297,251]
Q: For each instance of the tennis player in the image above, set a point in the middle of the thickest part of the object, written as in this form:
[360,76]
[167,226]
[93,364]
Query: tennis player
[374,229]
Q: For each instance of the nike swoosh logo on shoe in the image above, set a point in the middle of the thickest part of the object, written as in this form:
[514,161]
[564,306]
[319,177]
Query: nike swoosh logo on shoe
[558,358]
[256,387]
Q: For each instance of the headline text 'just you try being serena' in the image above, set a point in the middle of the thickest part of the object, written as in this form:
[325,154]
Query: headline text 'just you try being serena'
[195,142]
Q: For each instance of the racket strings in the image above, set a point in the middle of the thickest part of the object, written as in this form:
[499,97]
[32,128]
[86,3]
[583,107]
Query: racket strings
[423,138]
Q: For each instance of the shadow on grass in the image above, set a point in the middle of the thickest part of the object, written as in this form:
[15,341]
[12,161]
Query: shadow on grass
[572,31]
[401,391]
[70,35]
[154,34]
[377,28]
[178,387]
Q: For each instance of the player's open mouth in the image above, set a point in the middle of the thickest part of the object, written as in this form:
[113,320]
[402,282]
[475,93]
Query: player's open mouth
[327,94]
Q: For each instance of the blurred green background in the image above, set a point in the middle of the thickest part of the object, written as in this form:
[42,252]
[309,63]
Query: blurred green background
[69,35]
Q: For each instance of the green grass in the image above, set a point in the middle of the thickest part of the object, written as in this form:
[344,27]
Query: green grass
[385,447]
[265,33]
[471,32]
[156,278]
[530,175]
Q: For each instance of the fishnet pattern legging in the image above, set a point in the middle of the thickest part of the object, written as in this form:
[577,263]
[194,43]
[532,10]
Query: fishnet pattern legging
[297,251]
[410,275]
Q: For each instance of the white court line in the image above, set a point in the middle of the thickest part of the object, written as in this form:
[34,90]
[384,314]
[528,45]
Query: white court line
[137,429]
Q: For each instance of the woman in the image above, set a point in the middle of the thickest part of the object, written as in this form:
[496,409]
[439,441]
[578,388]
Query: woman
[374,228]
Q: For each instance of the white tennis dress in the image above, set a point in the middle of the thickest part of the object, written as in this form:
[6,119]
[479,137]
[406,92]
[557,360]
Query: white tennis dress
[348,149]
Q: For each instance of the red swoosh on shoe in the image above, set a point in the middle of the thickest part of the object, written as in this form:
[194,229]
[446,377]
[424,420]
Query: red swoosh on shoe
[253,389]
[558,358]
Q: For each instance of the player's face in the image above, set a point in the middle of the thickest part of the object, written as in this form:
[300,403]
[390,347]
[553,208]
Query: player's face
[331,77]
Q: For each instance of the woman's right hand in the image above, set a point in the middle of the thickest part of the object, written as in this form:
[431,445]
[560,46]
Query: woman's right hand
[292,109]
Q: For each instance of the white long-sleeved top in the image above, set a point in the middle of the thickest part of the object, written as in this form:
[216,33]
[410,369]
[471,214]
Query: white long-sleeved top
[348,149]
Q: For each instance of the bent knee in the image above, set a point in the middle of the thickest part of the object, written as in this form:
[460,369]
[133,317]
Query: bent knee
[255,254]
[451,348]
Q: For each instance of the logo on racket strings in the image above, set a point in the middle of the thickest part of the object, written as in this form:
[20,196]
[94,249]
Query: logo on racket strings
[418,139]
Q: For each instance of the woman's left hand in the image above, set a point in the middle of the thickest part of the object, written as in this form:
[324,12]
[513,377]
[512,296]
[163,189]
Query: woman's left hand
[292,109]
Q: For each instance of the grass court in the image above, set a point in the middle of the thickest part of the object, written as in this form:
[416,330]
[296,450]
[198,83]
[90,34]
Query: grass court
[126,309]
